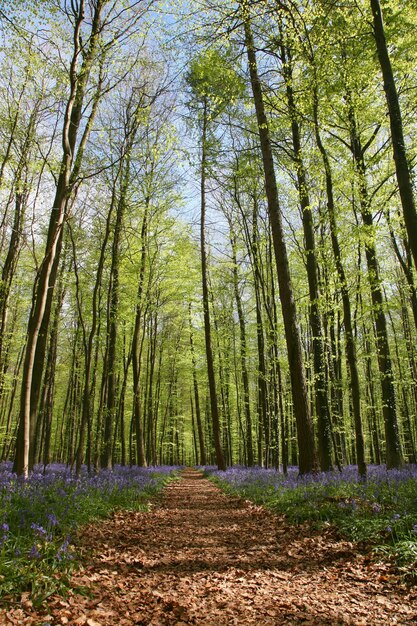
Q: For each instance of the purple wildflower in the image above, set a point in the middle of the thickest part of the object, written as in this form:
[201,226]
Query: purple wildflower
[62,551]
[38,530]
[34,553]
[51,517]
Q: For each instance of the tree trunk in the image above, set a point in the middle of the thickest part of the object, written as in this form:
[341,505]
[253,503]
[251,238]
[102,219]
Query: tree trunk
[347,311]
[320,382]
[136,351]
[389,408]
[402,168]
[262,402]
[45,281]
[307,453]
[44,419]
[243,354]
[200,432]
[206,310]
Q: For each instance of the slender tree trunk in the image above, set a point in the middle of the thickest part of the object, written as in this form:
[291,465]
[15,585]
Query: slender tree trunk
[206,307]
[157,404]
[223,384]
[407,427]
[319,381]
[263,437]
[262,395]
[153,329]
[275,374]
[347,310]
[307,453]
[127,359]
[243,354]
[389,408]
[196,454]
[284,422]
[402,167]
[200,432]
[136,352]
[335,367]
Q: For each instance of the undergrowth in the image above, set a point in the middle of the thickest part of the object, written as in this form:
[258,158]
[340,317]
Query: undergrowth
[39,516]
[381,512]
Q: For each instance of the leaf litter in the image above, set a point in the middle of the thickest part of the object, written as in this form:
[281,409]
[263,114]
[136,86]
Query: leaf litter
[200,557]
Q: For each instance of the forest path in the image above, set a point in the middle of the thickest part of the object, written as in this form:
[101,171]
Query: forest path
[204,558]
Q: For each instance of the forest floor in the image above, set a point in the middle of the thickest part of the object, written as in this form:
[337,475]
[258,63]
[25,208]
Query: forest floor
[204,558]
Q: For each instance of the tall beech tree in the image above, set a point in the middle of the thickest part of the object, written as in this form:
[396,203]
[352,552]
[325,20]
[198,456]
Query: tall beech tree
[201,443]
[402,165]
[131,122]
[243,349]
[392,439]
[307,453]
[83,57]
[351,353]
[214,84]
[320,381]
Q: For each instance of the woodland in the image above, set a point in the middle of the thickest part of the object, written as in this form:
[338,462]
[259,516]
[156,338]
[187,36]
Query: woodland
[208,234]
[208,257]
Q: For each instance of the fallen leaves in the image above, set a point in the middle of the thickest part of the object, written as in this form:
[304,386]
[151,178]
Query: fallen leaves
[202,558]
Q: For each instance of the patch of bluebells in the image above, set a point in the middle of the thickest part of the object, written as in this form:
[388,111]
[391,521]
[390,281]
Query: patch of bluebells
[44,501]
[377,474]
[38,515]
[384,505]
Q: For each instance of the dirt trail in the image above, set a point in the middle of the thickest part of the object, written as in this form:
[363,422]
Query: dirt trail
[203,558]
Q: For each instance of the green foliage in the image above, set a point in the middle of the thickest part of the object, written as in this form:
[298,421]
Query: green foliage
[214,83]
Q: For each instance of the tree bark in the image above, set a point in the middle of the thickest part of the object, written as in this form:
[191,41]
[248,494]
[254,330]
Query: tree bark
[206,306]
[347,311]
[320,381]
[307,453]
[136,351]
[200,432]
[389,408]
[243,354]
[402,167]
[45,281]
